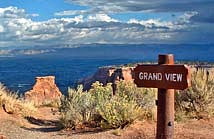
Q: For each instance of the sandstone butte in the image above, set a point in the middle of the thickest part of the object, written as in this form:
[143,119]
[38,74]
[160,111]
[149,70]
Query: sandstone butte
[44,90]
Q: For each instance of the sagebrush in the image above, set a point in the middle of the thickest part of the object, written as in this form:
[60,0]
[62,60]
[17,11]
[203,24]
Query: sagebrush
[100,106]
[116,110]
[77,108]
[198,100]
[144,97]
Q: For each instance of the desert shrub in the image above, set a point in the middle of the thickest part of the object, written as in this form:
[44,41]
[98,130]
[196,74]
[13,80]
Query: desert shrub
[77,108]
[98,105]
[144,97]
[198,100]
[80,107]
[101,93]
[14,104]
[116,111]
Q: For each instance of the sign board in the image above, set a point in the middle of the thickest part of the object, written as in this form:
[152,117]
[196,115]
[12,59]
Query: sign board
[162,76]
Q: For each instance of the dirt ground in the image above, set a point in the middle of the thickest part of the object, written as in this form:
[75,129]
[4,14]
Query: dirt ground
[44,125]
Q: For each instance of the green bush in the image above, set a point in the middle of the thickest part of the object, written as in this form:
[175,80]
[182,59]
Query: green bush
[77,108]
[144,97]
[118,112]
[198,100]
[101,93]
[98,105]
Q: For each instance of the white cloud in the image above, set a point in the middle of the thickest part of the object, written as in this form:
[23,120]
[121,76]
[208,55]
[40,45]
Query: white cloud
[71,12]
[101,17]
[12,12]
[1,28]
[34,15]
[152,22]
[181,23]
[77,19]
[17,29]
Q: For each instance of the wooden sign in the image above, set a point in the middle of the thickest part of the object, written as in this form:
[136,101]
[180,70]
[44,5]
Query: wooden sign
[166,77]
[162,76]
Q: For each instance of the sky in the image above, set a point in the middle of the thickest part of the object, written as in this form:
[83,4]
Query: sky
[47,23]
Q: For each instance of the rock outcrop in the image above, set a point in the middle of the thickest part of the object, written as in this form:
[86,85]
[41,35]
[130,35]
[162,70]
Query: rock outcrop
[44,90]
[2,136]
[108,75]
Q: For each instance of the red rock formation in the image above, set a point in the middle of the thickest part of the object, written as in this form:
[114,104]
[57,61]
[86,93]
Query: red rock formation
[108,75]
[44,90]
[2,136]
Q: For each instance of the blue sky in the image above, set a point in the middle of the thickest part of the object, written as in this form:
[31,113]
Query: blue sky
[27,23]
[45,8]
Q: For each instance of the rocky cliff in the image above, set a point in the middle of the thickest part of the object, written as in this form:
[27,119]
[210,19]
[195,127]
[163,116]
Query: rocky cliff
[44,90]
[108,75]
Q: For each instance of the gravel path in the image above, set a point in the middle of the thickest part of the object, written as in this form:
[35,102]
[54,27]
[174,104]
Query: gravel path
[43,127]
[12,131]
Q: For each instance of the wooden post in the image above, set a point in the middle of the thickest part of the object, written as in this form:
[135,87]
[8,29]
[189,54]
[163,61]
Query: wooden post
[166,77]
[165,106]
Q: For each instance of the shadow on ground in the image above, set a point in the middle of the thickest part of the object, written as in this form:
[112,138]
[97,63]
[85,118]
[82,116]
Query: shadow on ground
[54,126]
[44,125]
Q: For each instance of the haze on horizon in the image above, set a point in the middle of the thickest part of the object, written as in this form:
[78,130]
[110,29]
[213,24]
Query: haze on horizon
[47,23]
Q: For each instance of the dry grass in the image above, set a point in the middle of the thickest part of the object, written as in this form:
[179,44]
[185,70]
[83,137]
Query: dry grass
[13,104]
[55,103]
